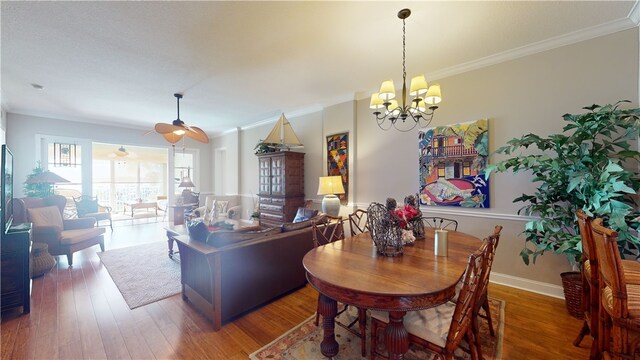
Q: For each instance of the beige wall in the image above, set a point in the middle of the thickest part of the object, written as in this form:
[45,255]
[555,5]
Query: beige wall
[529,94]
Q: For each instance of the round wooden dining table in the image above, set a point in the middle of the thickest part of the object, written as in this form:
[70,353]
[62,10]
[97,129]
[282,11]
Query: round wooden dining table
[352,272]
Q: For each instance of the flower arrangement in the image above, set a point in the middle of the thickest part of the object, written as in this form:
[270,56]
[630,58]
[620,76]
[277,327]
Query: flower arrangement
[405,215]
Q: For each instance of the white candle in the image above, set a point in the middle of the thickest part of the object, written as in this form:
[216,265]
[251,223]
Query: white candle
[440,246]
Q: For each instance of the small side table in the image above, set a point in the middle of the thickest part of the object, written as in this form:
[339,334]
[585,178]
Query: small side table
[178,212]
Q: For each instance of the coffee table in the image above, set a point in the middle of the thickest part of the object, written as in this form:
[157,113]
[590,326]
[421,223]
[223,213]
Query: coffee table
[142,205]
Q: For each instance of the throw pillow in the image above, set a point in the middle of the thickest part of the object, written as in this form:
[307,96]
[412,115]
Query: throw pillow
[223,238]
[319,219]
[45,216]
[221,208]
[304,214]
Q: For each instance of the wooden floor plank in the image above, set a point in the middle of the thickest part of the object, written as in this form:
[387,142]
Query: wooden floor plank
[79,313]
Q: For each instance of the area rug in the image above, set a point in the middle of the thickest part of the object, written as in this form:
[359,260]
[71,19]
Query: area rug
[303,341]
[143,273]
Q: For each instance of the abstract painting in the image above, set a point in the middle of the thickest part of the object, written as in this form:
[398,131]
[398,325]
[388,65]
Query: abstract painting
[452,162]
[338,161]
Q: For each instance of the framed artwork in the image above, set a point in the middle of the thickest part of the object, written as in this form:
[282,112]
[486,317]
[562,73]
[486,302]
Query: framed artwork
[338,161]
[452,162]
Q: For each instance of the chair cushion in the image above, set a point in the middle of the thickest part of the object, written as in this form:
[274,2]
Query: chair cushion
[430,324]
[304,214]
[633,300]
[223,238]
[45,216]
[70,237]
[631,271]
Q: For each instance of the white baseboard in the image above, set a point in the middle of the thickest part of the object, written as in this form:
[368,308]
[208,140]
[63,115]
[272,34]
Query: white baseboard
[528,285]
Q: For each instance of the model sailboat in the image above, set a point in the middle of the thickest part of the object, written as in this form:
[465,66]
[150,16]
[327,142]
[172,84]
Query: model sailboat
[282,136]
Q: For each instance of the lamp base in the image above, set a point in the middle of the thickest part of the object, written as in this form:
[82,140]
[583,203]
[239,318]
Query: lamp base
[331,205]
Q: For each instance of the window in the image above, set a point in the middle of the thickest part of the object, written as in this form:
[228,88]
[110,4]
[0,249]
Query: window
[121,177]
[73,173]
[467,168]
[441,170]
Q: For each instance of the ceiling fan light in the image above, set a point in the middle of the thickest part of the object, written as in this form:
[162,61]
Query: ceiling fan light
[376,102]
[418,85]
[387,90]
[433,95]
[179,132]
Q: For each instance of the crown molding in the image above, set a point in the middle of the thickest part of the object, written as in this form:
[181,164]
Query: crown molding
[631,21]
[540,46]
[634,13]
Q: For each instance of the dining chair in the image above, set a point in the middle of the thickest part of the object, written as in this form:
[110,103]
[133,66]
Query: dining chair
[325,233]
[590,285]
[619,321]
[489,246]
[440,223]
[440,329]
[358,222]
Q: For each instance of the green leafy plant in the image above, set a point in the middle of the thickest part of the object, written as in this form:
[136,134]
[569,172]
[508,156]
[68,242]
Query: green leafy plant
[262,148]
[38,190]
[590,166]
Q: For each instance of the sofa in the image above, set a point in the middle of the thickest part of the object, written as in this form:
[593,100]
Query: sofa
[63,236]
[235,271]
[232,210]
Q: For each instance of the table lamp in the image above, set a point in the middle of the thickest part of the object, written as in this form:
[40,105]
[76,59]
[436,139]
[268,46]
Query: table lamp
[329,186]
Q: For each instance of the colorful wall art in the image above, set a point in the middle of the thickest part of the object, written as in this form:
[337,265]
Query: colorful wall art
[338,161]
[452,162]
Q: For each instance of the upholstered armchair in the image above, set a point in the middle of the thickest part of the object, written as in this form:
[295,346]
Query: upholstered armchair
[64,237]
[217,206]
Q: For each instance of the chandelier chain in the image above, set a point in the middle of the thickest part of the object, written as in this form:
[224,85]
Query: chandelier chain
[404,67]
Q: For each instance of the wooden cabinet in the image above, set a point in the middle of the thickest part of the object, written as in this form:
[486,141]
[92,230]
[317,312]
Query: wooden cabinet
[280,186]
[15,285]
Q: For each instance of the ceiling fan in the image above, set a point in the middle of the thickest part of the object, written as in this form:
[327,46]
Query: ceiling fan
[178,129]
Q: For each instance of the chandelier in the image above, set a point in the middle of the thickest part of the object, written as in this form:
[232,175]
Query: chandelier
[419,111]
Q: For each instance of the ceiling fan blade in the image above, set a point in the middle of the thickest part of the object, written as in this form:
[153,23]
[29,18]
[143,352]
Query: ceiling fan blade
[163,128]
[197,134]
[172,138]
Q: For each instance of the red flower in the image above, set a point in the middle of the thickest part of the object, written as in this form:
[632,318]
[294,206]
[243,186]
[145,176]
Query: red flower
[405,214]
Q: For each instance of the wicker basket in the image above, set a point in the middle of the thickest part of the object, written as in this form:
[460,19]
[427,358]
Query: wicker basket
[572,286]
[40,259]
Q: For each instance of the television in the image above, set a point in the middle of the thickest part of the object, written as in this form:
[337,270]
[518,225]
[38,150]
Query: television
[6,196]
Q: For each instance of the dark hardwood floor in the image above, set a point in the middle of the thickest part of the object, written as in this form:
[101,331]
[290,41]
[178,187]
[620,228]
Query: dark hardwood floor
[78,313]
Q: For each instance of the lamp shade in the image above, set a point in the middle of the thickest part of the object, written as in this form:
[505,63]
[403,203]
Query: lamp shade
[330,185]
[387,90]
[46,177]
[186,182]
[433,95]
[376,102]
[418,85]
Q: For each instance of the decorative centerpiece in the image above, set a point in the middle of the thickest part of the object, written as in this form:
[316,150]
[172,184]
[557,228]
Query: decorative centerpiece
[392,227]
[410,218]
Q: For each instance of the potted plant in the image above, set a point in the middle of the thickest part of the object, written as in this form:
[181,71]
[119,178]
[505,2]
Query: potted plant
[589,166]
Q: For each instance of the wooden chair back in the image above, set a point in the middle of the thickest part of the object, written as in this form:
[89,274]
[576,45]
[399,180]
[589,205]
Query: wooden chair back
[610,263]
[588,246]
[358,222]
[489,246]
[328,232]
[440,223]
[463,313]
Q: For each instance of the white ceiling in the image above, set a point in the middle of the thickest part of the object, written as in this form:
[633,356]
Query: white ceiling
[238,63]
